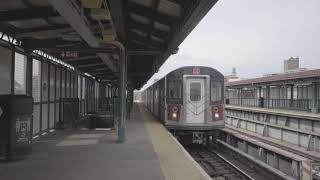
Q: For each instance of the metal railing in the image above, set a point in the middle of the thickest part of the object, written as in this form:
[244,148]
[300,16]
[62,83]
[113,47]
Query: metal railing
[250,102]
[290,104]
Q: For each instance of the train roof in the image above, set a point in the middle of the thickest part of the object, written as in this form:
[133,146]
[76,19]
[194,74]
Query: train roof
[183,68]
[186,67]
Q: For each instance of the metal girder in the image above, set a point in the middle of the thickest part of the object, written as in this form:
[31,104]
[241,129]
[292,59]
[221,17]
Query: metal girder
[145,28]
[144,53]
[99,69]
[106,77]
[99,50]
[44,28]
[98,72]
[113,81]
[43,33]
[89,65]
[191,22]
[80,49]
[27,13]
[149,13]
[106,73]
[89,69]
[71,15]
[180,2]
[85,62]
[45,43]
[153,15]
[117,13]
[144,40]
[81,58]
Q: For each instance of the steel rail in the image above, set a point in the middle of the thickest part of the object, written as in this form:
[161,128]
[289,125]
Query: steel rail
[231,164]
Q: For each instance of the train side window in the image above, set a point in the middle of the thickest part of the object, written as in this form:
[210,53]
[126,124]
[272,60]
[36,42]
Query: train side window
[195,91]
[216,91]
[174,90]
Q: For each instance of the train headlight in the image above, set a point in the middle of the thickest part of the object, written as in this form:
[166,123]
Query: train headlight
[174,112]
[216,115]
[174,115]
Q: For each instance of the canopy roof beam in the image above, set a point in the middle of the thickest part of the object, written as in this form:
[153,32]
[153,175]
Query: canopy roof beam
[28,13]
[71,15]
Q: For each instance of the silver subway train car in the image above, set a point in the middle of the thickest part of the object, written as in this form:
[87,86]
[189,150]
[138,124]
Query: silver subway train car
[189,101]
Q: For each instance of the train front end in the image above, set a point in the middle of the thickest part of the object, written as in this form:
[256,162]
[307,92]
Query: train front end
[195,101]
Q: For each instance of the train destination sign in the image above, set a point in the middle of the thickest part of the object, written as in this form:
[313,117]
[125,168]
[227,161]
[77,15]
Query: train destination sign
[195,71]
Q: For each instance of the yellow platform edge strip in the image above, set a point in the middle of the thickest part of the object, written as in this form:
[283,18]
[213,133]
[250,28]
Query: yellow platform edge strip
[175,161]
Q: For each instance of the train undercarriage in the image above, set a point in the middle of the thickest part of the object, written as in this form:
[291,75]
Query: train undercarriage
[204,137]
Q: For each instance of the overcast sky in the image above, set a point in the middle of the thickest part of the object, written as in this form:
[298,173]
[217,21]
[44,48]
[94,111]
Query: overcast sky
[254,36]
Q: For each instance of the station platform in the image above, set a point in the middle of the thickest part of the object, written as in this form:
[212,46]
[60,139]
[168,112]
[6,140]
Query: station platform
[283,112]
[150,153]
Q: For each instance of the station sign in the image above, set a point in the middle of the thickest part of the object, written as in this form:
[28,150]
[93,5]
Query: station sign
[69,54]
[196,71]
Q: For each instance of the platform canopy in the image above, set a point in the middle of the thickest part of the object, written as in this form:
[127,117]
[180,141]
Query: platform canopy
[83,32]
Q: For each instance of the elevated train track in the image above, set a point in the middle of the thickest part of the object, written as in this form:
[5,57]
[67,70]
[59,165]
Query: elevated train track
[217,166]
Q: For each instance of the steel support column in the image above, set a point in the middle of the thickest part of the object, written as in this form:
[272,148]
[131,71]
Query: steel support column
[260,92]
[240,96]
[29,75]
[315,95]
[122,95]
[291,97]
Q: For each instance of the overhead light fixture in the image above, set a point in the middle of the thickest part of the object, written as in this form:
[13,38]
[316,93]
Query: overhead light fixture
[175,51]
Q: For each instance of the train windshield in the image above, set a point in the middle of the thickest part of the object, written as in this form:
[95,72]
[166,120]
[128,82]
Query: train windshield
[174,90]
[216,91]
[195,91]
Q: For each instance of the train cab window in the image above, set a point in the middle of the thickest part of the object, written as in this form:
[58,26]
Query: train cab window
[216,91]
[174,90]
[195,91]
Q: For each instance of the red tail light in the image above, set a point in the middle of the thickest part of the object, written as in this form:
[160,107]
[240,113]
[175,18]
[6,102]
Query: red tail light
[217,112]
[174,112]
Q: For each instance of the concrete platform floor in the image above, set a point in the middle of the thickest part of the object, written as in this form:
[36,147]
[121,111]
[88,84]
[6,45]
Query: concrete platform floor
[95,155]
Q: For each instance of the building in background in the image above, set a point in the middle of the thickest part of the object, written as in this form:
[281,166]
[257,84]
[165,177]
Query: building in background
[290,65]
[233,76]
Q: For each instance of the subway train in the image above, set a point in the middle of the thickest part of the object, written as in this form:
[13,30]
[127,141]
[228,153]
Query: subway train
[189,101]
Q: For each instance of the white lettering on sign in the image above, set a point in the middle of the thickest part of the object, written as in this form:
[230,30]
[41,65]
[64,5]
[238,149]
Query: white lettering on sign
[70,54]
[195,71]
[1,111]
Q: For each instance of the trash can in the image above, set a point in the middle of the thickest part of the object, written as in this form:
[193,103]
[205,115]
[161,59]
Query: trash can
[100,120]
[15,126]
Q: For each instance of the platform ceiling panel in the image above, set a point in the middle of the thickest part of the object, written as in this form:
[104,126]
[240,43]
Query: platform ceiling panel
[155,25]
[150,30]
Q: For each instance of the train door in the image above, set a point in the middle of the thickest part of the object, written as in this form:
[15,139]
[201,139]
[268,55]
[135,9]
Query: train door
[152,100]
[156,100]
[195,99]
